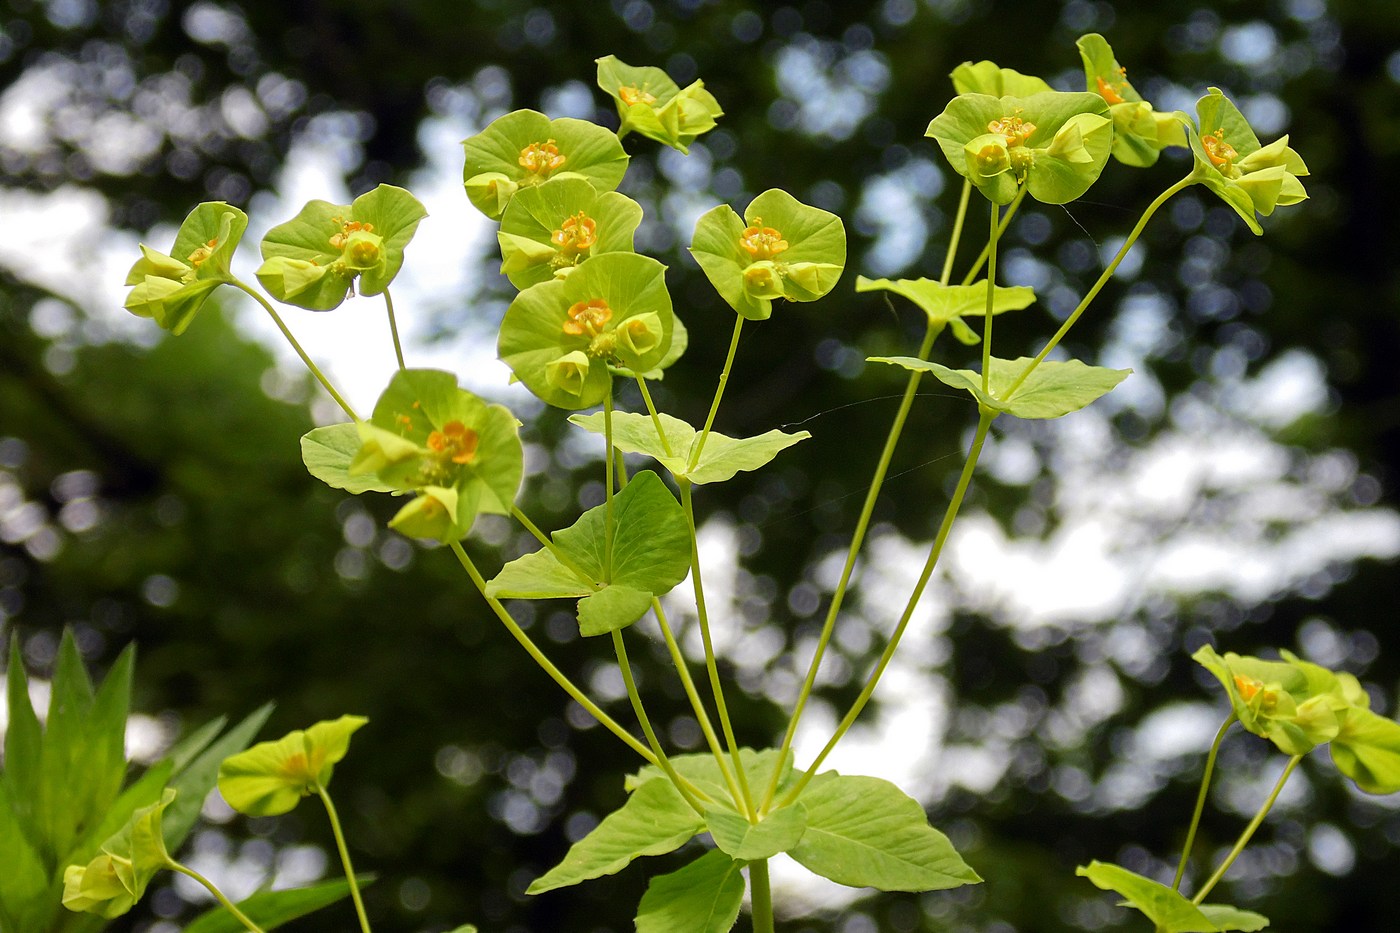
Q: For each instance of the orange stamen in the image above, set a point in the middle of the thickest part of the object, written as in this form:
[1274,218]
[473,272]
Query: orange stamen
[541,158]
[762,242]
[455,442]
[588,317]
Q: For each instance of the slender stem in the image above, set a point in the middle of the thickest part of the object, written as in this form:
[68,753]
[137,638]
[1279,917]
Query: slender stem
[394,328]
[620,469]
[655,417]
[218,895]
[991,295]
[711,665]
[911,390]
[682,785]
[1103,280]
[986,250]
[1248,831]
[1201,801]
[957,232]
[719,393]
[984,423]
[696,704]
[760,896]
[608,524]
[545,664]
[344,857]
[315,370]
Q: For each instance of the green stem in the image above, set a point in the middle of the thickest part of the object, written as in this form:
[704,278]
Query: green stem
[315,370]
[394,329]
[545,664]
[1248,831]
[1102,281]
[1201,801]
[696,704]
[559,553]
[218,895]
[760,897]
[984,423]
[344,857]
[608,525]
[991,295]
[1005,222]
[711,665]
[957,232]
[687,790]
[655,417]
[719,393]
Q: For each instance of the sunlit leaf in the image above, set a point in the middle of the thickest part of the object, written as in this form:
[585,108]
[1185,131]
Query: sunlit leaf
[702,897]
[1053,389]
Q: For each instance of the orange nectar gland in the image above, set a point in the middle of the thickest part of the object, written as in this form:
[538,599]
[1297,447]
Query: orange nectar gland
[588,317]
[455,442]
[576,235]
[1250,688]
[1221,154]
[348,227]
[1013,129]
[1110,91]
[541,158]
[762,242]
[203,252]
[632,95]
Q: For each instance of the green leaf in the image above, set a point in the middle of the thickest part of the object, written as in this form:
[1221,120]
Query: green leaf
[777,832]
[782,248]
[651,554]
[1169,909]
[23,744]
[24,896]
[196,779]
[549,230]
[1052,390]
[864,831]
[67,794]
[721,458]
[270,778]
[702,897]
[654,820]
[327,453]
[542,327]
[945,303]
[1367,750]
[703,771]
[271,909]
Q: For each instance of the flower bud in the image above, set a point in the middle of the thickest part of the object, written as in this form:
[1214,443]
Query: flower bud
[568,373]
[637,336]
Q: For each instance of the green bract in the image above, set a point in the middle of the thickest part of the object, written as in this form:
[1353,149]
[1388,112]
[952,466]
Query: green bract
[949,304]
[986,77]
[459,455]
[526,148]
[559,337]
[548,230]
[271,777]
[781,248]
[1230,161]
[720,459]
[1054,143]
[1051,390]
[115,880]
[1168,909]
[650,103]
[313,260]
[1139,132]
[171,289]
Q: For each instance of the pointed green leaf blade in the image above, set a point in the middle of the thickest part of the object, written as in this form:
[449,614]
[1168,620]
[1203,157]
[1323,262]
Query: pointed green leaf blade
[1166,908]
[946,303]
[1226,917]
[327,453]
[636,434]
[67,793]
[651,541]
[723,457]
[654,820]
[779,831]
[25,900]
[540,575]
[1052,390]
[611,608]
[271,909]
[23,742]
[105,760]
[702,897]
[194,782]
[866,831]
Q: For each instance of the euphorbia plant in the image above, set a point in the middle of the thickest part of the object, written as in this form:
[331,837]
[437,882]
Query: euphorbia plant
[591,312]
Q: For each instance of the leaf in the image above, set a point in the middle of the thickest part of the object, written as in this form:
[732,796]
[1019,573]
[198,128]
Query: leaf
[24,895]
[721,458]
[66,792]
[327,453]
[946,303]
[611,608]
[195,780]
[702,770]
[23,743]
[1053,389]
[271,909]
[777,832]
[1169,909]
[702,897]
[654,820]
[866,831]
[1367,750]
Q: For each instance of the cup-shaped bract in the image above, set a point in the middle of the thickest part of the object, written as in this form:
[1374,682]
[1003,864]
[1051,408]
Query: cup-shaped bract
[271,777]
[780,248]
[987,77]
[525,148]
[314,260]
[548,230]
[1055,143]
[561,337]
[457,455]
[650,103]
[111,883]
[1230,161]
[1291,703]
[1140,133]
[172,288]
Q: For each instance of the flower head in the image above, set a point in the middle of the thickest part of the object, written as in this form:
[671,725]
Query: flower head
[650,103]
[271,777]
[548,230]
[172,288]
[112,882]
[1140,133]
